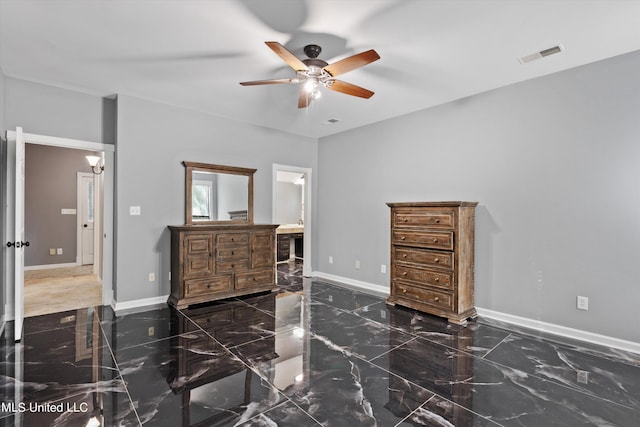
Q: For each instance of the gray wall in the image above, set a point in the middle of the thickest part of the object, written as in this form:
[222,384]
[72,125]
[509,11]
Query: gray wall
[553,163]
[51,111]
[50,186]
[289,203]
[153,140]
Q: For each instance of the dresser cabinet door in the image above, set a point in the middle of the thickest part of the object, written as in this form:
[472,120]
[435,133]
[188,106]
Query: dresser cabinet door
[198,255]
[262,250]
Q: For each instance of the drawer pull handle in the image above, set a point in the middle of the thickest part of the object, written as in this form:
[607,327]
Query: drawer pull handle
[437,279]
[404,291]
[403,237]
[406,220]
[437,260]
[435,240]
[404,255]
[436,299]
[404,273]
[437,221]
[233,253]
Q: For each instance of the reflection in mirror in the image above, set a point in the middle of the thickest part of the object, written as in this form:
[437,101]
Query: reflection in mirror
[216,193]
[219,197]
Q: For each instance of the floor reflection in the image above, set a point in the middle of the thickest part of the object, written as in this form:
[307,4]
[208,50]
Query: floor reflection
[313,353]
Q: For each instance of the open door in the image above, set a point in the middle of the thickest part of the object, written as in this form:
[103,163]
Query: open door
[18,242]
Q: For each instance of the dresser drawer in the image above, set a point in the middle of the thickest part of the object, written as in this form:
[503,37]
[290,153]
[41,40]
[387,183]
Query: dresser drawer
[435,240]
[223,239]
[424,277]
[233,252]
[207,286]
[229,266]
[423,256]
[254,279]
[436,218]
[422,295]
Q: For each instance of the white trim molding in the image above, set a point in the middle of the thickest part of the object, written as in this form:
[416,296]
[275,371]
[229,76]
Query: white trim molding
[564,331]
[51,266]
[384,290]
[138,303]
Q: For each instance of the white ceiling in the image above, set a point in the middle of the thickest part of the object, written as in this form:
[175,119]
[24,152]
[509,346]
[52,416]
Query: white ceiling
[194,53]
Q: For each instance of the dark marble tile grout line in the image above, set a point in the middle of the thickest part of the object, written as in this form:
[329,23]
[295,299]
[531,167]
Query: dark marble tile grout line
[115,362]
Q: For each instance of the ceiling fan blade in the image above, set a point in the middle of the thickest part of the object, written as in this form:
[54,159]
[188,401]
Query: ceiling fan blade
[268,82]
[287,56]
[350,89]
[304,99]
[352,62]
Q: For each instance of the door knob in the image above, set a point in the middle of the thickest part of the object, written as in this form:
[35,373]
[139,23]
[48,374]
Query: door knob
[85,226]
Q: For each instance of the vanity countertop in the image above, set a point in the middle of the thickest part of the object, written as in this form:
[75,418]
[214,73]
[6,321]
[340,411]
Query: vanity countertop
[289,229]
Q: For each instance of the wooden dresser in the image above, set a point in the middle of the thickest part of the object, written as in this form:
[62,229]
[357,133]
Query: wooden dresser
[211,262]
[432,245]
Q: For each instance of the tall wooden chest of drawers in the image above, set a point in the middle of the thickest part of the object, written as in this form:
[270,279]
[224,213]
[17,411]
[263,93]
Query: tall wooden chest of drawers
[211,262]
[432,246]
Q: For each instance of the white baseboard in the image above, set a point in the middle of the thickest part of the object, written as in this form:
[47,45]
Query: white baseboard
[138,303]
[384,290]
[48,266]
[564,331]
[537,325]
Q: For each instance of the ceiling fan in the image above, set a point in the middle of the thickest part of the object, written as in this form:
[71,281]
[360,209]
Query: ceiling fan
[313,72]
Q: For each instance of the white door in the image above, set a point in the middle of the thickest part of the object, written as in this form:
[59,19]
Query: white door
[19,242]
[86,207]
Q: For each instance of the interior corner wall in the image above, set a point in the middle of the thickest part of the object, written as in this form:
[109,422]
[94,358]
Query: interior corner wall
[554,164]
[153,140]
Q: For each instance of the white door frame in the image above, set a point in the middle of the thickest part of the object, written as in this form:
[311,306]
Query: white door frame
[307,264]
[106,180]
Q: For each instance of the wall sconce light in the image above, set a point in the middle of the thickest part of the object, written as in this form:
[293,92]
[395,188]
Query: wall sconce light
[93,161]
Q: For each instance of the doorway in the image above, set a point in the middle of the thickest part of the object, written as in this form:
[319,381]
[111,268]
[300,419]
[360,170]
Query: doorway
[104,243]
[292,187]
[61,194]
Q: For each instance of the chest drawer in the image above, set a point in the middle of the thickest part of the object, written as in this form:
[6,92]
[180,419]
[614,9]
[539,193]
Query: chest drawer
[423,256]
[434,240]
[207,286]
[424,277]
[435,218]
[427,296]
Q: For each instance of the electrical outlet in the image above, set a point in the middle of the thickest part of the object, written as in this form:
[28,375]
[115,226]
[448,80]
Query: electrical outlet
[330,260]
[357,264]
[152,277]
[52,251]
[135,210]
[59,251]
[152,331]
[582,303]
[583,377]
[383,268]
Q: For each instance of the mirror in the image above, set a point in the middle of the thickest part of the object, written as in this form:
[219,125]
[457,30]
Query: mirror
[216,193]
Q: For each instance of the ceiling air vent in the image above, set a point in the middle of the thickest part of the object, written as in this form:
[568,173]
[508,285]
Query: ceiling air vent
[541,54]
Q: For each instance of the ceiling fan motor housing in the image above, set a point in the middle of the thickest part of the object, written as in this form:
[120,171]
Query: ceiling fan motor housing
[312,50]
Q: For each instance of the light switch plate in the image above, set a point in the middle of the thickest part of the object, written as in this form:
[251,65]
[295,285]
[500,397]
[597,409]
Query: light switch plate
[135,210]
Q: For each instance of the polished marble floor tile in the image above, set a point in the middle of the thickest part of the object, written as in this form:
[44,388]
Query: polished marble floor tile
[310,354]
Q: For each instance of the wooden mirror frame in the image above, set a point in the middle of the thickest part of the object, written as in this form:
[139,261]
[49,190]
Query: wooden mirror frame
[191,167]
